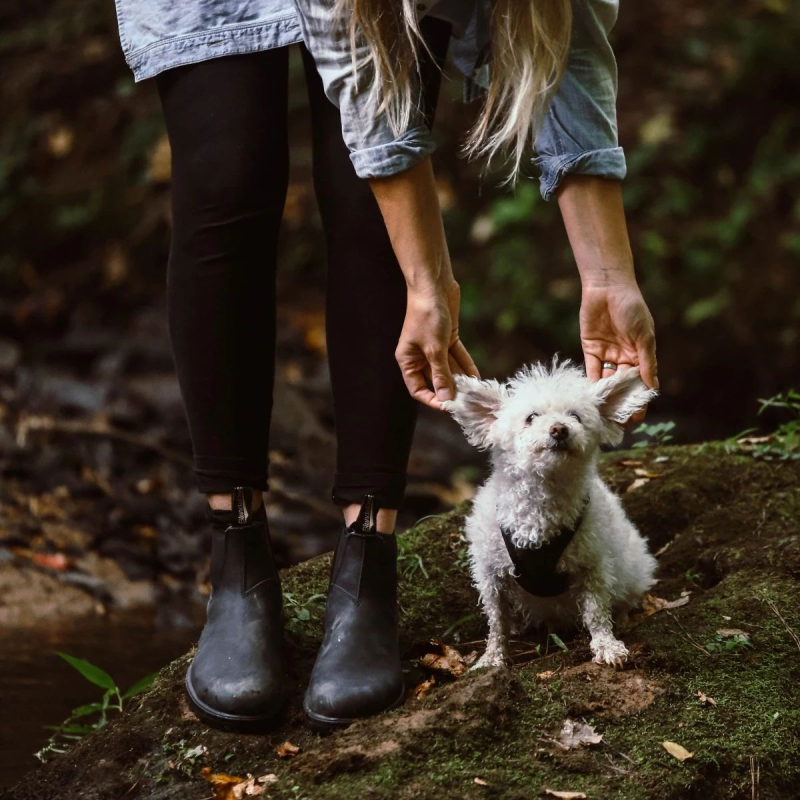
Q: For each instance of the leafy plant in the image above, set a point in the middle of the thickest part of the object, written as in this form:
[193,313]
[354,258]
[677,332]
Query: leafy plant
[732,644]
[784,444]
[300,609]
[657,434]
[87,718]
[408,561]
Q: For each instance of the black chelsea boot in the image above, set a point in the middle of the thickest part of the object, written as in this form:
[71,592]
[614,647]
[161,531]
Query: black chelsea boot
[235,680]
[357,672]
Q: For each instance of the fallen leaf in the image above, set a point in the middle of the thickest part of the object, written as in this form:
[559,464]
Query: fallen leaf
[576,734]
[729,633]
[546,675]
[222,785]
[55,561]
[481,782]
[662,550]
[677,751]
[565,795]
[287,750]
[270,778]
[630,462]
[637,484]
[643,473]
[705,699]
[652,604]
[444,659]
[421,689]
[247,788]
[754,440]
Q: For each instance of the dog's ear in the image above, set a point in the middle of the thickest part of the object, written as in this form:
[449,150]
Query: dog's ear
[476,406]
[619,397]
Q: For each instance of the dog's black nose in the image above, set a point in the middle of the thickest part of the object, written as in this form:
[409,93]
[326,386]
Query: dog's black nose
[559,431]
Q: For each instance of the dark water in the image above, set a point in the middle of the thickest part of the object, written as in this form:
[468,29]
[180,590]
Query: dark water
[38,688]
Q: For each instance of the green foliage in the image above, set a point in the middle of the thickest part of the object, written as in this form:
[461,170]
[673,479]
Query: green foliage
[784,444]
[729,644]
[409,562]
[657,434]
[299,608]
[87,718]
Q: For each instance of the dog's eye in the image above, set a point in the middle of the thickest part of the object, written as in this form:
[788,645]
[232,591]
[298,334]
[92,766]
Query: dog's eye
[576,415]
[531,417]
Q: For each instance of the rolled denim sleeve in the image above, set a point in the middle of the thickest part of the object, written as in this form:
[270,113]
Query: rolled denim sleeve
[375,151]
[579,132]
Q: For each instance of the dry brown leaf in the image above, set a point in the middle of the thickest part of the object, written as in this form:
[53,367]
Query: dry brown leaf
[577,734]
[481,782]
[652,604]
[662,550]
[729,633]
[247,788]
[55,561]
[269,778]
[677,751]
[630,462]
[637,484]
[421,689]
[565,795]
[705,699]
[287,750]
[444,659]
[546,675]
[222,785]
[643,473]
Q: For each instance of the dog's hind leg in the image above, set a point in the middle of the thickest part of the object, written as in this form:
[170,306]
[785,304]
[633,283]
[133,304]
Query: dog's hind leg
[498,614]
[595,602]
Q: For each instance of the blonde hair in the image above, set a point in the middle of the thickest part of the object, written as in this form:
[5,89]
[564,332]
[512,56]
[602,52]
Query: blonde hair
[529,47]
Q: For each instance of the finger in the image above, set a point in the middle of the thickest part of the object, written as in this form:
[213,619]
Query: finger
[648,366]
[464,359]
[414,379]
[441,376]
[594,367]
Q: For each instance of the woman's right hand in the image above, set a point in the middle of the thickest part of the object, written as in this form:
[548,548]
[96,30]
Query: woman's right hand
[429,349]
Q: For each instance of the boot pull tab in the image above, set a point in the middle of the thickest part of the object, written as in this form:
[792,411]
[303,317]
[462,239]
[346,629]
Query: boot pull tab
[242,504]
[366,521]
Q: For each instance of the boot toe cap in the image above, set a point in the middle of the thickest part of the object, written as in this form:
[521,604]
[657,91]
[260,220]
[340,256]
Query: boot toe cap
[347,700]
[243,696]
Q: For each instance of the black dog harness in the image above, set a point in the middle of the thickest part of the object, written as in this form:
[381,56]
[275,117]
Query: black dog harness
[536,566]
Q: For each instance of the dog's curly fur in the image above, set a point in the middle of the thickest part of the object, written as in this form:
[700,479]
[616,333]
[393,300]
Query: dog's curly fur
[539,484]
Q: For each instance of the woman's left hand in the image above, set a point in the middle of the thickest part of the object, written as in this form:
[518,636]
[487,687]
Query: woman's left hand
[616,326]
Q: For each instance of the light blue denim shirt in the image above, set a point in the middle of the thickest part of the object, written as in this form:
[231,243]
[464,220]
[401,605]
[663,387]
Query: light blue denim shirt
[578,135]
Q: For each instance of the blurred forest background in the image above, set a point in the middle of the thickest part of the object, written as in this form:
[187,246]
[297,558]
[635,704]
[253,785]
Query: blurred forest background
[96,502]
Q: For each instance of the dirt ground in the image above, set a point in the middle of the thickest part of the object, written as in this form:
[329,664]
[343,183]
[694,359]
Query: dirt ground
[717,674]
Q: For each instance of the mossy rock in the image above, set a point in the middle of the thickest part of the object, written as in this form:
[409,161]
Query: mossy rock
[726,527]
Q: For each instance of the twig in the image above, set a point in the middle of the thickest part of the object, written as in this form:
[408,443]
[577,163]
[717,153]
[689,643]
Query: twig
[687,636]
[755,778]
[778,614]
[95,428]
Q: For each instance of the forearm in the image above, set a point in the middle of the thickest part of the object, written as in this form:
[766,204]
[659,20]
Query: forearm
[410,208]
[594,217]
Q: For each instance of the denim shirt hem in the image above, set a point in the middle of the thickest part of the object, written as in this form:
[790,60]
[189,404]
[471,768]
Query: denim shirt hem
[384,160]
[608,162]
[149,61]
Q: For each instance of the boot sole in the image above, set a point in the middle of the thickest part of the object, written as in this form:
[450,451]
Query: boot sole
[233,723]
[322,724]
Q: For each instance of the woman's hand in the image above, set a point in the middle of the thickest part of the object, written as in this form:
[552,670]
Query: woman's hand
[616,326]
[429,349]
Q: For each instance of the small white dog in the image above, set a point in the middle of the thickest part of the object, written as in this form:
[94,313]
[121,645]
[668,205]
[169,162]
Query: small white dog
[544,519]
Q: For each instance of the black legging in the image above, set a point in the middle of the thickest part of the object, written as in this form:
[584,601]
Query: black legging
[227,124]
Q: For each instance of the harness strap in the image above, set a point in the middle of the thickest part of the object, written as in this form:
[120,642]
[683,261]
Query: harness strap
[536,566]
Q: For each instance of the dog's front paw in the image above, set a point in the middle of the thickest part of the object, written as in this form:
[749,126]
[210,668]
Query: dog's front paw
[608,650]
[491,658]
